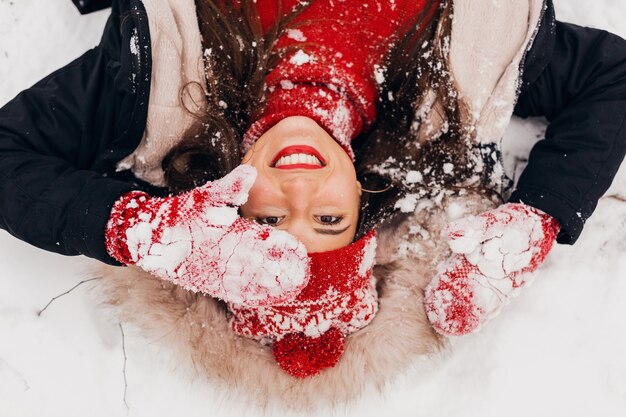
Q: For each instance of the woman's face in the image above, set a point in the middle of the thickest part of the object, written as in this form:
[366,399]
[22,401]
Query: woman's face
[306,184]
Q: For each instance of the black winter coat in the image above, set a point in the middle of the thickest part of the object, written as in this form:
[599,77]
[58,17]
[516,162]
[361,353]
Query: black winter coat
[61,139]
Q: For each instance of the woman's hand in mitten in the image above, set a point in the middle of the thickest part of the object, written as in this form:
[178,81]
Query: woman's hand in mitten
[492,251]
[198,241]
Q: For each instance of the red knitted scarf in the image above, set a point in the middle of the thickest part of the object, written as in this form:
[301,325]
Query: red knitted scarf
[308,332]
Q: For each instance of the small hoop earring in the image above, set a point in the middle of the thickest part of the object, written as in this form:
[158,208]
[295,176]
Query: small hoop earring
[387,188]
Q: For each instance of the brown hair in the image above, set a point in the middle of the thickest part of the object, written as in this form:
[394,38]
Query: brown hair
[238,57]
[416,65]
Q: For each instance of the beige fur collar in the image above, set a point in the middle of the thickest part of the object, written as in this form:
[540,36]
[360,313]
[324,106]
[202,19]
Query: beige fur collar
[486,54]
[176,62]
[489,40]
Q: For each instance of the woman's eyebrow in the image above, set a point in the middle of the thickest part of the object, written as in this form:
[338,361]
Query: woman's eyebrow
[331,231]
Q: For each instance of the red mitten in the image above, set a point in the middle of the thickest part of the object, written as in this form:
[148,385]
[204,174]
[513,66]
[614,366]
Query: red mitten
[198,241]
[492,251]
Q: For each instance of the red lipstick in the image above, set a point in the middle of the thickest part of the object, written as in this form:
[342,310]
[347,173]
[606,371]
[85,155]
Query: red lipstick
[296,149]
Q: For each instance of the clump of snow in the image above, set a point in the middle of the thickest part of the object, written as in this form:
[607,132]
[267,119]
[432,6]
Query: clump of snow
[379,74]
[286,85]
[413,177]
[296,35]
[455,211]
[499,243]
[368,257]
[301,58]
[407,204]
[134,43]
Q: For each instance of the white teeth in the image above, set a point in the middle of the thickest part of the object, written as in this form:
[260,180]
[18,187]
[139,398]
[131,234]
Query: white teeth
[299,158]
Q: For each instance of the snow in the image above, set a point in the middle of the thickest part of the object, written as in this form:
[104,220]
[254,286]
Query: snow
[286,85]
[296,35]
[369,255]
[379,74]
[407,204]
[556,350]
[455,211]
[413,177]
[301,58]
[507,244]
[134,43]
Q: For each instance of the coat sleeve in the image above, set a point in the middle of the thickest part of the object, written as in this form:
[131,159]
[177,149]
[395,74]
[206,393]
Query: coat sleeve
[88,6]
[50,136]
[582,93]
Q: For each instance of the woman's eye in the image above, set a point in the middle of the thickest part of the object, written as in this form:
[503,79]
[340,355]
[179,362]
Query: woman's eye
[270,220]
[330,219]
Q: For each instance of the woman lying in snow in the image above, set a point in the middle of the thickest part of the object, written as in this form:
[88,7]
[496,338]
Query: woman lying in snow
[417,99]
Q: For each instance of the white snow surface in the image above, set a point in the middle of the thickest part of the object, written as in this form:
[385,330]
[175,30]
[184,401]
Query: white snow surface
[556,350]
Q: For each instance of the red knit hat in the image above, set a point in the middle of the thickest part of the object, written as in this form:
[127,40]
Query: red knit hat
[333,110]
[308,332]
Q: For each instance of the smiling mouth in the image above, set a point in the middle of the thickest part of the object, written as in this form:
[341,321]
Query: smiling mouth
[298,157]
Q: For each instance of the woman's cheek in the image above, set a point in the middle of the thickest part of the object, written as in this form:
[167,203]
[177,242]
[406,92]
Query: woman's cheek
[259,192]
[343,188]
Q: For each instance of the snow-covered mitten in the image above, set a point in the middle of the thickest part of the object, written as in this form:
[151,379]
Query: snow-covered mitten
[198,241]
[492,253]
